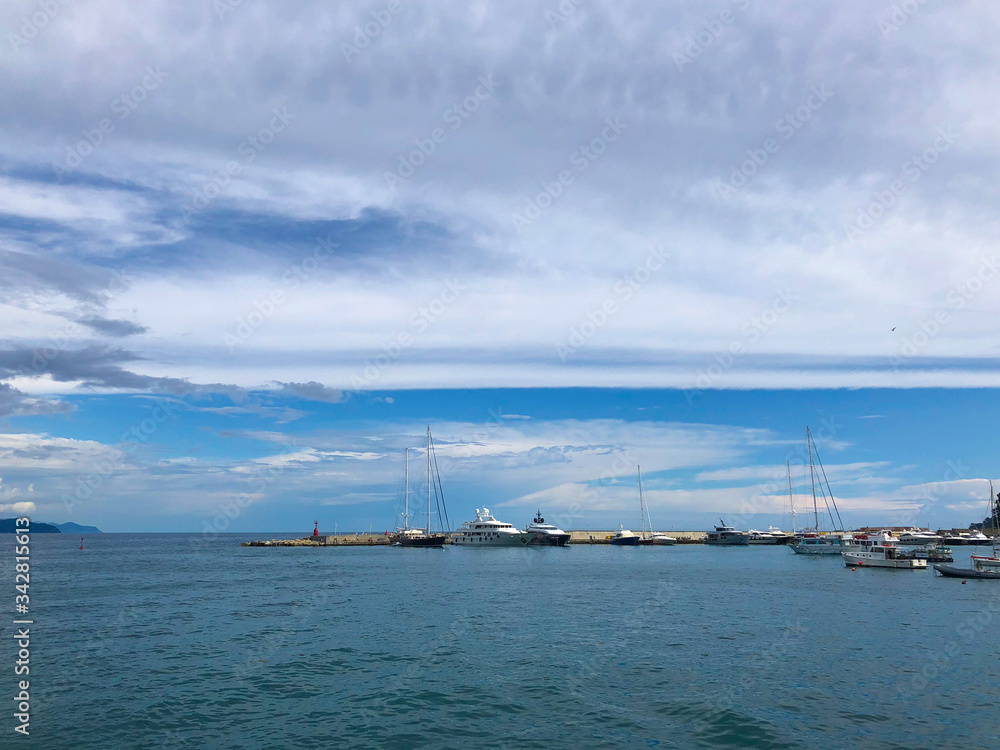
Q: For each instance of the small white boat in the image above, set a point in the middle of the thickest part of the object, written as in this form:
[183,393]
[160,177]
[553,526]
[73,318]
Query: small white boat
[983,562]
[878,551]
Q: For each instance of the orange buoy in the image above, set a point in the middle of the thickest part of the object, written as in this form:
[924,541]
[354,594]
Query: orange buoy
[854,569]
[81,542]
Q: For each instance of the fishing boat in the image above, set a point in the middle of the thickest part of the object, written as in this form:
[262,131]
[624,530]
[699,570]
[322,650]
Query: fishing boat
[417,537]
[624,538]
[726,536]
[545,534]
[648,536]
[811,541]
[878,551]
[953,572]
[486,531]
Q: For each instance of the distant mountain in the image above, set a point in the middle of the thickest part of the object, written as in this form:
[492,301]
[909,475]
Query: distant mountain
[9,526]
[75,528]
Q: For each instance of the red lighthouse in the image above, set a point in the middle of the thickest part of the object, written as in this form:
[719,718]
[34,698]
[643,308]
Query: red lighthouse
[316,529]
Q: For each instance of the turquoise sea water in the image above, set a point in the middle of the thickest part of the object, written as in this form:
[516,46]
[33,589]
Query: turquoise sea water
[175,641]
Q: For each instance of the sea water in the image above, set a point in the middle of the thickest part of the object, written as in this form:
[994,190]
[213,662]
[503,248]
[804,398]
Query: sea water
[184,641]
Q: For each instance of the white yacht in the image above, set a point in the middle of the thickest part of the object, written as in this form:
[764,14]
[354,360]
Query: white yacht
[878,551]
[486,531]
[918,536]
[545,533]
[761,537]
[726,536]
[978,537]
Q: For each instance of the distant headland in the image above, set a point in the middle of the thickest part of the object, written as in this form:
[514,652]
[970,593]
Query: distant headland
[8,526]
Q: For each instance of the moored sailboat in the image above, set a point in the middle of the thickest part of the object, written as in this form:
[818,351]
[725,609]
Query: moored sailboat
[648,536]
[417,537]
[811,541]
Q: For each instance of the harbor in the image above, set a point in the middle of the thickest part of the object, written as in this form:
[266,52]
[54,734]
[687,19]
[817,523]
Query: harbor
[586,536]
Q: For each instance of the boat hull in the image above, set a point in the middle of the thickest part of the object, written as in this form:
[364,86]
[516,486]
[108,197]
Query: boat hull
[625,541]
[953,572]
[503,540]
[428,540]
[728,542]
[815,549]
[763,541]
[549,540]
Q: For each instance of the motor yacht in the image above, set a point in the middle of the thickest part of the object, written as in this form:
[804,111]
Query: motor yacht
[761,537]
[978,537]
[726,536]
[624,538]
[486,531]
[918,536]
[545,533]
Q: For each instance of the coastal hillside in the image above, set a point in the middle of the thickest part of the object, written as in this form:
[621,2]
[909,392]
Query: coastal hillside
[8,526]
[75,528]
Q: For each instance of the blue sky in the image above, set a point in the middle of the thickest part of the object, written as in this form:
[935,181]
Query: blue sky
[892,457]
[675,233]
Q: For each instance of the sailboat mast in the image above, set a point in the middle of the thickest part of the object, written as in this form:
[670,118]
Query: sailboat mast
[812,475]
[791,498]
[406,488]
[642,502]
[428,479]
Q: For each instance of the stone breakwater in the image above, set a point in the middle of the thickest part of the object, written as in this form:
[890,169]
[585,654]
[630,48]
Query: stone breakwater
[381,540]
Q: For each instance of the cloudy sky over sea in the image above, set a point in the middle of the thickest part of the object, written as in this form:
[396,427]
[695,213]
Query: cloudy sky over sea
[249,251]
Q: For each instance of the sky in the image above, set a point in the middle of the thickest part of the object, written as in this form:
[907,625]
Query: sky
[250,251]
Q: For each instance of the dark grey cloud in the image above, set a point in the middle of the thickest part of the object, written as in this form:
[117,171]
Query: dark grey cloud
[14,403]
[117,328]
[312,390]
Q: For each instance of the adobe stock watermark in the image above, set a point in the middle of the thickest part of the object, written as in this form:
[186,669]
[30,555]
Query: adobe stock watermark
[624,290]
[581,158]
[32,25]
[562,13]
[249,149]
[758,325]
[899,16]
[455,116]
[707,36]
[786,127]
[367,32]
[123,106]
[419,321]
[265,307]
[958,298]
[912,170]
